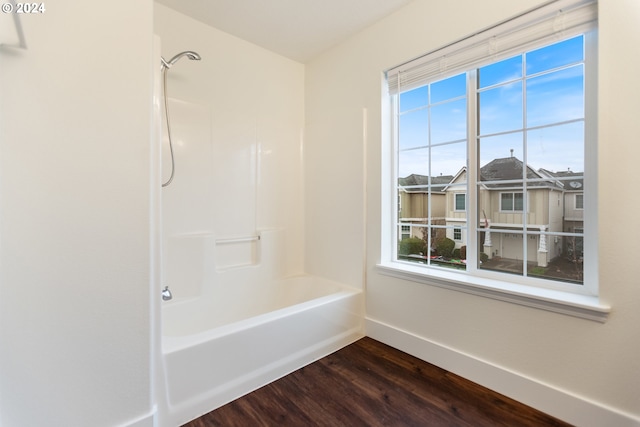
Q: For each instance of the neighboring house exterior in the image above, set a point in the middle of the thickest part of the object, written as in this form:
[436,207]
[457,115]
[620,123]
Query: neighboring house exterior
[573,215]
[415,206]
[553,201]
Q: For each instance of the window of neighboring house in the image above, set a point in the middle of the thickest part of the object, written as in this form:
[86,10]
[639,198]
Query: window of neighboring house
[519,120]
[406,231]
[457,233]
[579,201]
[511,202]
[460,201]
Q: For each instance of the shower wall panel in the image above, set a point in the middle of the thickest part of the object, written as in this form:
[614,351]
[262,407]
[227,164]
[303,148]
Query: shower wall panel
[237,119]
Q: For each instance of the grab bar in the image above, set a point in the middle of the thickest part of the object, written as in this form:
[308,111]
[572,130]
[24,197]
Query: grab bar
[238,240]
[22,42]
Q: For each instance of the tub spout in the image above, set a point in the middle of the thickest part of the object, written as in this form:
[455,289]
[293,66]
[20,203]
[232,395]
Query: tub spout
[166,294]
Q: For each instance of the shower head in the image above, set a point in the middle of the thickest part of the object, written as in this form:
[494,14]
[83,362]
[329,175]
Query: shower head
[188,53]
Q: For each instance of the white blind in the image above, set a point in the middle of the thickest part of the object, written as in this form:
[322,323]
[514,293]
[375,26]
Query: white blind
[550,22]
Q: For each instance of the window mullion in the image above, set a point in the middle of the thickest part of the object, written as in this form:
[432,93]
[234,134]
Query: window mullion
[526,256]
[473,247]
[393,214]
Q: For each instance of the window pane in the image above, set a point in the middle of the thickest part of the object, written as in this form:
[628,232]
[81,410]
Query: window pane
[501,250]
[456,215]
[557,148]
[556,257]
[450,88]
[415,98]
[449,121]
[506,202]
[413,162]
[500,109]
[501,157]
[556,55]
[556,97]
[485,202]
[414,129]
[413,248]
[447,160]
[518,204]
[500,72]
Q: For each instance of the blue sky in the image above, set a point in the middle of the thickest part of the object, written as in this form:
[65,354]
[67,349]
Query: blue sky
[551,97]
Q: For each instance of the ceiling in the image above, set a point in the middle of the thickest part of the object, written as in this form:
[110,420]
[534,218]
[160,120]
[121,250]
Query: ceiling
[297,29]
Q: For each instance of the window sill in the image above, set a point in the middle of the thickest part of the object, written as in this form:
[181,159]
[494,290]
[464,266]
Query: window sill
[582,306]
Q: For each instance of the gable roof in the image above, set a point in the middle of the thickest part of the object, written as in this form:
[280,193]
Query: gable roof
[510,169]
[415,183]
[507,169]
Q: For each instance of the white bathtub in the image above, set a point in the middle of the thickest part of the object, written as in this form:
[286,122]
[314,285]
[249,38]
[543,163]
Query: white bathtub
[238,338]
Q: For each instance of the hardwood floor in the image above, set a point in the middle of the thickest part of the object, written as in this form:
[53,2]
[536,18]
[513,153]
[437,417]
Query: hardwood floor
[371,384]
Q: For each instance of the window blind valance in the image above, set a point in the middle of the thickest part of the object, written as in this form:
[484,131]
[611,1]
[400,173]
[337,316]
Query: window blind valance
[551,22]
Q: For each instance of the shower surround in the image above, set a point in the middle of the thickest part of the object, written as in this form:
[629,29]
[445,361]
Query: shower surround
[243,312]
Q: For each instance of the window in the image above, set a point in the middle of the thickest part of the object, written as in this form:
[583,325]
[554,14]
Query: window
[511,202]
[457,233]
[495,142]
[406,231]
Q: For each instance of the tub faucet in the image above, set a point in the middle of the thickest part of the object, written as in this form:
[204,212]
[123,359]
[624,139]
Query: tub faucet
[166,294]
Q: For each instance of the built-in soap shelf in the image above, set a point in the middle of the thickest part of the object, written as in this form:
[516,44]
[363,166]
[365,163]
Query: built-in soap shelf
[237,251]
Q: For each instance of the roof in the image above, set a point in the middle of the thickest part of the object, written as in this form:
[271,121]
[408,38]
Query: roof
[571,181]
[421,182]
[510,169]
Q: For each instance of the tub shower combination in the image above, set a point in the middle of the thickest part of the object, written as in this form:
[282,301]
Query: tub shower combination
[246,327]
[231,321]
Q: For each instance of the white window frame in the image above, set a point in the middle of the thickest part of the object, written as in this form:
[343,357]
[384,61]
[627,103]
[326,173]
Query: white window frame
[575,201]
[580,301]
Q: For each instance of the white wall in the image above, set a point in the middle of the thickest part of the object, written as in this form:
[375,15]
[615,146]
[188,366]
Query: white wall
[75,127]
[544,359]
[237,119]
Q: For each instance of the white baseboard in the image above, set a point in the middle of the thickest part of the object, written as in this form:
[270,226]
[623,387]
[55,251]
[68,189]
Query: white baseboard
[548,399]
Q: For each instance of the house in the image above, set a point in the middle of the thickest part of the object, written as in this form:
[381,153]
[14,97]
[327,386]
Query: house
[573,213]
[501,206]
[416,206]
[553,204]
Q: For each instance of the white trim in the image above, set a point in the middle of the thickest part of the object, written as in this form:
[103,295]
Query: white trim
[543,24]
[582,306]
[562,404]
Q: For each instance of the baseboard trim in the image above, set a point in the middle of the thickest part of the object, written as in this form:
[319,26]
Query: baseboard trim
[550,400]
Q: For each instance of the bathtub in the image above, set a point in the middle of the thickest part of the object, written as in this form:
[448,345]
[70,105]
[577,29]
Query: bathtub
[223,345]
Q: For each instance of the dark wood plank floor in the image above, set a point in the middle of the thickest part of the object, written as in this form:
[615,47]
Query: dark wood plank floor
[371,384]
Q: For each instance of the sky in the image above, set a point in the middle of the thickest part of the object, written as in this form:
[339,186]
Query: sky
[543,88]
